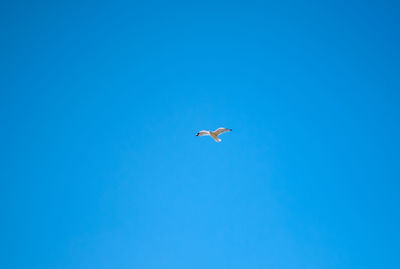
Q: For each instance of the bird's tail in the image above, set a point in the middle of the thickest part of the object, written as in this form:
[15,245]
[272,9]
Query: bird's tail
[217,139]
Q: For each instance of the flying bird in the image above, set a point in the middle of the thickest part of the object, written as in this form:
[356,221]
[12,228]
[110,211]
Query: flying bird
[214,134]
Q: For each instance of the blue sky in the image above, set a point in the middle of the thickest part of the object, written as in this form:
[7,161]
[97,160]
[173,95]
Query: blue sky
[100,104]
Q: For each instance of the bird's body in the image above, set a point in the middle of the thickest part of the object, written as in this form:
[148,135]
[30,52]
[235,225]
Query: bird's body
[214,134]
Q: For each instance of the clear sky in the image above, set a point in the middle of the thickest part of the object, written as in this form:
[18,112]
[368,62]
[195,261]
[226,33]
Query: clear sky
[100,104]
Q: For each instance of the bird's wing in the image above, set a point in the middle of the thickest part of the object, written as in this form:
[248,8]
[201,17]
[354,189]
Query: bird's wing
[221,131]
[202,133]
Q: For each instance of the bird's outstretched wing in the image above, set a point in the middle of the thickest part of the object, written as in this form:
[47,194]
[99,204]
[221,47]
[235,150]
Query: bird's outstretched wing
[202,133]
[221,131]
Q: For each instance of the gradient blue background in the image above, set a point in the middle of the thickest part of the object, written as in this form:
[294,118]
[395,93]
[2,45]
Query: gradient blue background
[100,104]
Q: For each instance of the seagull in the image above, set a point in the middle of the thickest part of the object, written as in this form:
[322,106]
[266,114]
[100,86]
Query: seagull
[214,134]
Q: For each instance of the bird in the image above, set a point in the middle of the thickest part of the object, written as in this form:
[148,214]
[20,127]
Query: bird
[214,134]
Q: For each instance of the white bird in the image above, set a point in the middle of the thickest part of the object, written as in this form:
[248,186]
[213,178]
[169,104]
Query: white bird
[214,134]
